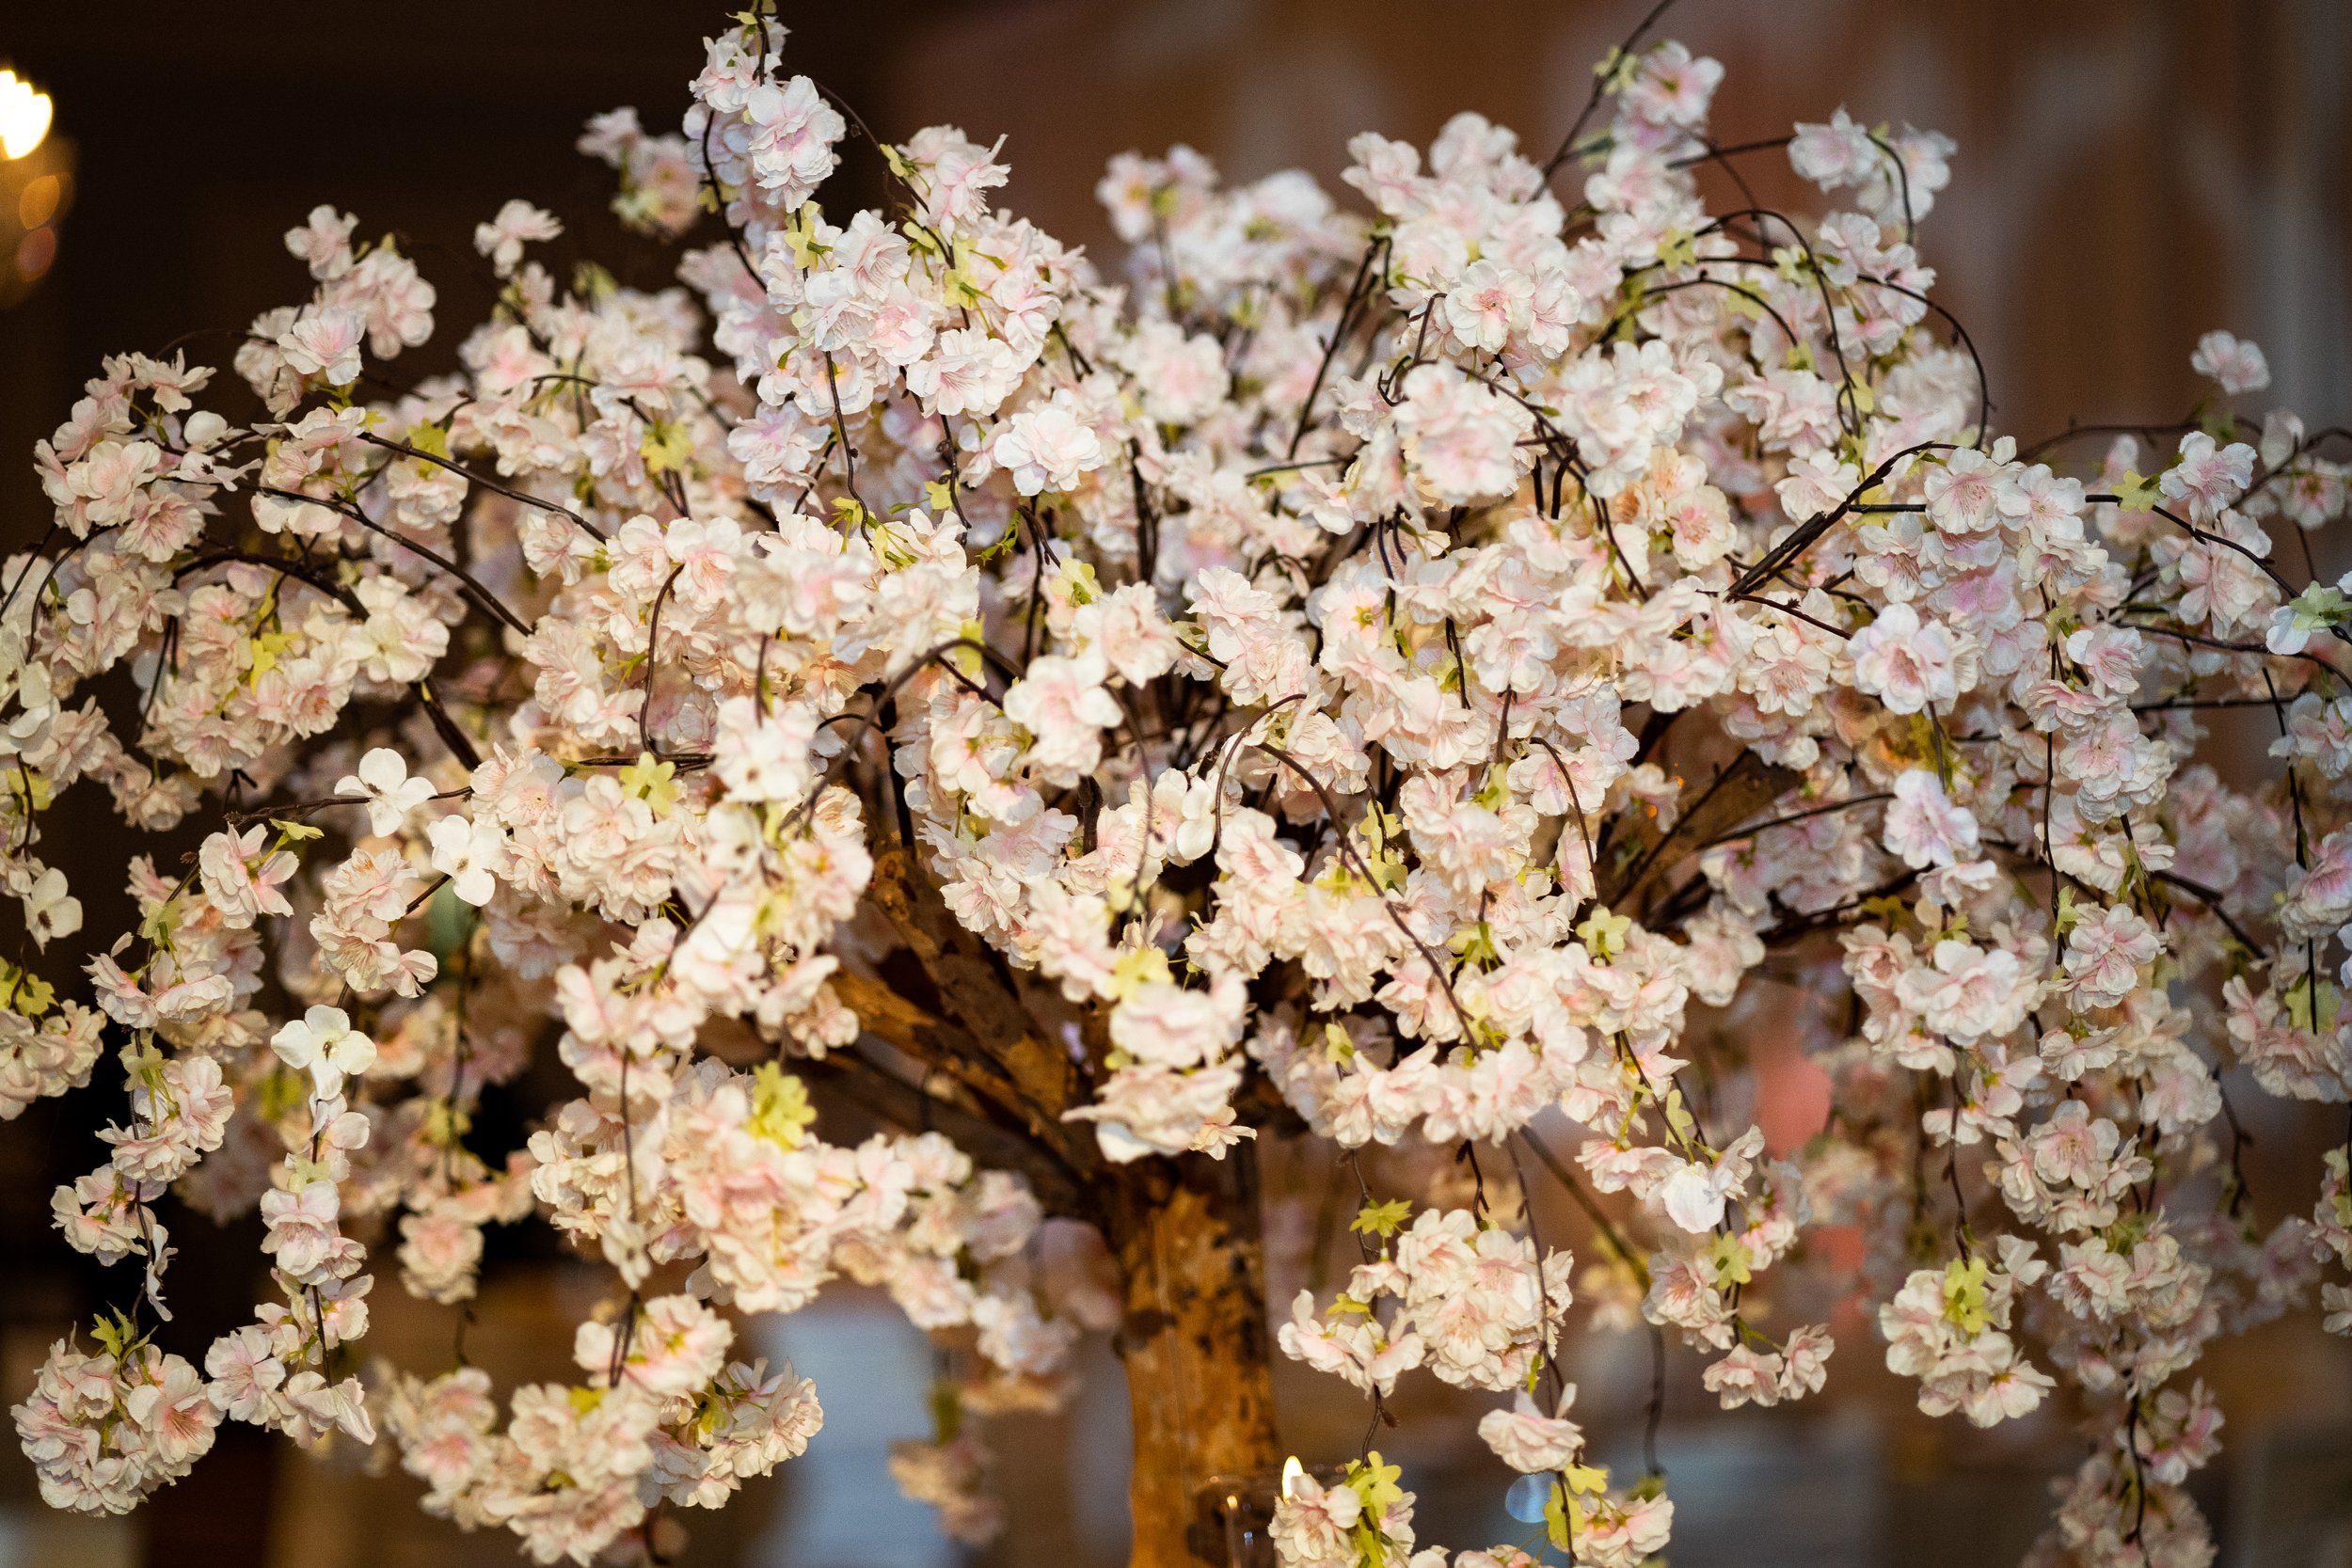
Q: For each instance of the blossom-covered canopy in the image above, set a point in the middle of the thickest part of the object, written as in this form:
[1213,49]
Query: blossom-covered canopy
[1408,671]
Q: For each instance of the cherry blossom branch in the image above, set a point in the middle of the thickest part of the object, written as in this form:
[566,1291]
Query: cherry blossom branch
[1734,792]
[1045,1077]
[2211,900]
[1338,333]
[1584,1200]
[1642,302]
[443,725]
[1791,610]
[652,633]
[1722,154]
[1600,87]
[1355,863]
[1753,829]
[480,596]
[881,1093]
[2254,649]
[849,452]
[485,480]
[1850,410]
[1803,537]
[1984,384]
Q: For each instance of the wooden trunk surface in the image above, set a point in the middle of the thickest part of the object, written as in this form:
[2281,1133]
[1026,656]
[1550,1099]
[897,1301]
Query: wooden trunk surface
[1195,1342]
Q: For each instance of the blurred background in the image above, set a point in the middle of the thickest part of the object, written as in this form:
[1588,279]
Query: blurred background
[2131,173]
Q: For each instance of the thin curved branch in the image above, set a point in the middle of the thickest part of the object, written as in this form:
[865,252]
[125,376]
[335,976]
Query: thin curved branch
[486,481]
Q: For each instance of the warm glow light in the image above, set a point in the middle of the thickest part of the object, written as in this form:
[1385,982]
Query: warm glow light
[35,252]
[24,115]
[38,202]
[1292,1471]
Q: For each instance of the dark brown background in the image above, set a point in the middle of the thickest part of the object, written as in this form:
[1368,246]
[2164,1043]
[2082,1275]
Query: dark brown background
[2131,173]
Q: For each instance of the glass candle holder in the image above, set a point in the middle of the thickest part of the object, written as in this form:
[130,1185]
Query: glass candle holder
[1238,1511]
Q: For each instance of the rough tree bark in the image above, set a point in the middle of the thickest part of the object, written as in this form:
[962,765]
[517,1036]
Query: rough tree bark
[1200,1384]
[1185,1233]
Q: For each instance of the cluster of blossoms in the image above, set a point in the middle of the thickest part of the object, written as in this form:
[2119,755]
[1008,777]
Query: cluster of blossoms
[1379,676]
[1470,1307]
[103,1430]
[662,1415]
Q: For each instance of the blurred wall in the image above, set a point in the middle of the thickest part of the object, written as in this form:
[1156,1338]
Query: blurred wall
[2131,172]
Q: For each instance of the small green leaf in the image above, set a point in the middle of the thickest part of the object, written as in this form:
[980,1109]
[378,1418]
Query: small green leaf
[665,447]
[1964,1295]
[117,1333]
[655,781]
[780,1107]
[1602,932]
[2069,916]
[429,438]
[2137,493]
[1375,1482]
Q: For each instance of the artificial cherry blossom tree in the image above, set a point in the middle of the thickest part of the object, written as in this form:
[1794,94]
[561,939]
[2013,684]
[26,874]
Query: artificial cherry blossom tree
[1369,675]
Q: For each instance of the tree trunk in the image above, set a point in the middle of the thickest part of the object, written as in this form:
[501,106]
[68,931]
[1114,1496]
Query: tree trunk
[1192,1259]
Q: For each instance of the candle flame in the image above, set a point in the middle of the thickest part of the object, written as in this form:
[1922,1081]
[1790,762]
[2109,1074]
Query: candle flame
[1292,1471]
[24,115]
